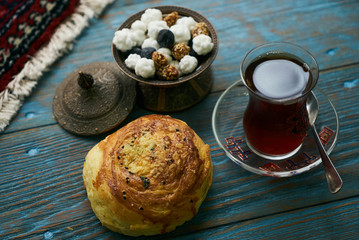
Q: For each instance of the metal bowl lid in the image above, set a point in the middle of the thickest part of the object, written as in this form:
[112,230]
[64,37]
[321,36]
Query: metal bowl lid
[94,99]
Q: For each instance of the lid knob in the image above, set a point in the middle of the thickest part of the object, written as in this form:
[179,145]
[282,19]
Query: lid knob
[94,99]
[85,80]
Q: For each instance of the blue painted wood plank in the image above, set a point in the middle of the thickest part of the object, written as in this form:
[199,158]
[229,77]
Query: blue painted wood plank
[48,186]
[41,188]
[315,222]
[240,26]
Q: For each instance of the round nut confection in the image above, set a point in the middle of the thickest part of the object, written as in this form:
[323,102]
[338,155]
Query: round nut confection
[180,50]
[159,59]
[168,72]
[171,18]
[148,177]
[200,28]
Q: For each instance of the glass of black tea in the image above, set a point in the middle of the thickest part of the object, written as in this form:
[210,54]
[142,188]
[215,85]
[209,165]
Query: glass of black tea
[279,77]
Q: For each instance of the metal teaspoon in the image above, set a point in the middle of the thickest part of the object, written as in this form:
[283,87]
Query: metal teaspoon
[333,178]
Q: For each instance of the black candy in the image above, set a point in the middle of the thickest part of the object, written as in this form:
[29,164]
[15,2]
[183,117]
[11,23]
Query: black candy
[135,50]
[147,52]
[166,38]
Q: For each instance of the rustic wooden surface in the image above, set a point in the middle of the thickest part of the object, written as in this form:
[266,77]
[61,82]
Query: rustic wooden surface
[41,189]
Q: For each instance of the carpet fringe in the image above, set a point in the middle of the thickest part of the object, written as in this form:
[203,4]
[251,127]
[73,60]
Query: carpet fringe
[61,42]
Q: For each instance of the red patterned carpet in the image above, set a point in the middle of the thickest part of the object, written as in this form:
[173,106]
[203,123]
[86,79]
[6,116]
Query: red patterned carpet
[27,28]
[24,27]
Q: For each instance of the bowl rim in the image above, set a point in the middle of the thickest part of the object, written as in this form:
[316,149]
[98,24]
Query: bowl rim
[165,9]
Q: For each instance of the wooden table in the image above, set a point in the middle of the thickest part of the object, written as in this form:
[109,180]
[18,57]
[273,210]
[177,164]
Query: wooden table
[42,195]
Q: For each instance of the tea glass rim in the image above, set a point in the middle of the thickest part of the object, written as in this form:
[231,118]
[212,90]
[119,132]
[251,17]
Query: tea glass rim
[287,99]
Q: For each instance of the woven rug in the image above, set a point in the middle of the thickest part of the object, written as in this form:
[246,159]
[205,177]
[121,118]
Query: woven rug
[33,34]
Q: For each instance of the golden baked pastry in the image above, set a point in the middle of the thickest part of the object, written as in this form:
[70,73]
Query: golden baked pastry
[148,177]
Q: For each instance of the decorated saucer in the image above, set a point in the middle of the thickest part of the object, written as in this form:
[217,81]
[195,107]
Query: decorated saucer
[228,130]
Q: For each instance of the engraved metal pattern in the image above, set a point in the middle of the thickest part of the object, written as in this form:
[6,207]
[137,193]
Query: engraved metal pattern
[99,108]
